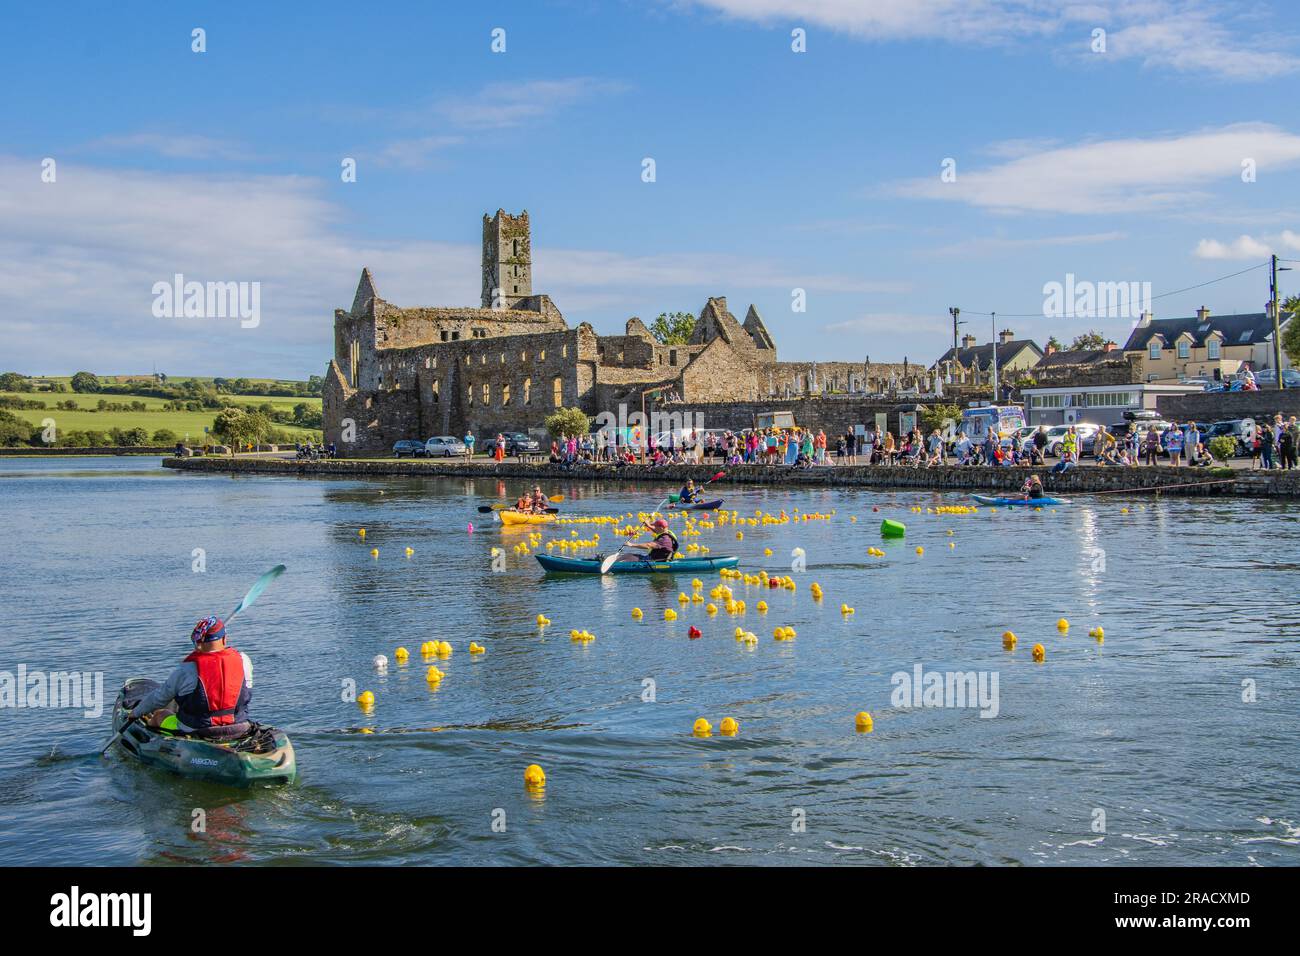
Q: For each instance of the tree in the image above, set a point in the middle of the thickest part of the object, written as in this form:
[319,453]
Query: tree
[85,382]
[14,382]
[1092,339]
[229,426]
[1054,343]
[1291,333]
[936,416]
[564,422]
[14,430]
[673,328]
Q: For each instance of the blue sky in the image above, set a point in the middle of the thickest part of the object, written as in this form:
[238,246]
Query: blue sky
[775,170]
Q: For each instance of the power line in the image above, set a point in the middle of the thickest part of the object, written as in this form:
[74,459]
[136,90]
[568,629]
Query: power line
[1163,295]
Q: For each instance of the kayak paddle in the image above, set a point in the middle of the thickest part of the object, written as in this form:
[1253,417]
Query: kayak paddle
[260,585]
[677,498]
[488,509]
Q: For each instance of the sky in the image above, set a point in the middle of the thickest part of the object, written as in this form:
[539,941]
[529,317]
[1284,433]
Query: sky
[878,162]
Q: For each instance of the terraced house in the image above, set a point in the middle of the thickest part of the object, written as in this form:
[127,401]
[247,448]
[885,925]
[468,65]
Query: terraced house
[1203,346]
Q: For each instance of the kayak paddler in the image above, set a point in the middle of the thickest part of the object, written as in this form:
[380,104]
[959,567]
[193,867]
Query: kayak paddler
[207,695]
[664,545]
[688,495]
[539,501]
[1032,488]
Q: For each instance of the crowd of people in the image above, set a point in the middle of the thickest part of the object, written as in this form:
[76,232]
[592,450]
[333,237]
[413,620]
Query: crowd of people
[1275,444]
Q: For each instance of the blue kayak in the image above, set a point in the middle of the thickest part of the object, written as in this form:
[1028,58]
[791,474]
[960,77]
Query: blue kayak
[1011,502]
[636,565]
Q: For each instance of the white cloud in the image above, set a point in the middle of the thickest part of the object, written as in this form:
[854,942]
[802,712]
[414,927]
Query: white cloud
[79,257]
[172,146]
[1248,247]
[508,105]
[1117,176]
[995,244]
[880,326]
[1224,39]
[415,153]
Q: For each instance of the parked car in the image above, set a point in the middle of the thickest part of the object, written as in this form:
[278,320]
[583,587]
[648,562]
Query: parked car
[1086,431]
[1268,376]
[1242,429]
[444,446]
[407,447]
[517,443]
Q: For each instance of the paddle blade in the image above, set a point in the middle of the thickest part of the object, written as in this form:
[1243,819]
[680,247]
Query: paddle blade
[721,474]
[556,498]
[674,498]
[258,587]
[609,561]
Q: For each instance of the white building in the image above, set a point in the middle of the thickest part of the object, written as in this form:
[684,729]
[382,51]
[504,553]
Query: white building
[1095,404]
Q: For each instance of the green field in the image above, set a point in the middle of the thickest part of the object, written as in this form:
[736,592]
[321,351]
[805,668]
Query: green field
[182,423]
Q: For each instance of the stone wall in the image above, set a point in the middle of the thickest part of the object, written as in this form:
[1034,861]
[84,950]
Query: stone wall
[1220,406]
[1085,480]
[835,414]
[23,451]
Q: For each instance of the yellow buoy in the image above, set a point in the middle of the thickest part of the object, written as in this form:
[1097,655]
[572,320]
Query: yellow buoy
[534,776]
[863,722]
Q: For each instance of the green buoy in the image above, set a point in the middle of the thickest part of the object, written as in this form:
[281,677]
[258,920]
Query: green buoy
[890,528]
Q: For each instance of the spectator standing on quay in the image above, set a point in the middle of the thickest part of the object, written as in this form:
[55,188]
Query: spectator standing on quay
[1286,448]
[1193,443]
[469,443]
[1151,447]
[1174,444]
[1266,445]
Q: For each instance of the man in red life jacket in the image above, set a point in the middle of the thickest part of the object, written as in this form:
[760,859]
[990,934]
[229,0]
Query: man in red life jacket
[208,694]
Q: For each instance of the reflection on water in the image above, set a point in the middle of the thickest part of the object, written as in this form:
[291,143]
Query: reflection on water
[1149,726]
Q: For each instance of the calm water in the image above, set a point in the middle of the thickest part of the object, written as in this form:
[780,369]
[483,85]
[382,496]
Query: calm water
[1195,598]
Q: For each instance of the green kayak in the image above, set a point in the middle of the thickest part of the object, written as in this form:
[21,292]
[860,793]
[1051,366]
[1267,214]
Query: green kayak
[265,755]
[636,565]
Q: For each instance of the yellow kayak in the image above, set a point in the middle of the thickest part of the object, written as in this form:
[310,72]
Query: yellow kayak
[516,517]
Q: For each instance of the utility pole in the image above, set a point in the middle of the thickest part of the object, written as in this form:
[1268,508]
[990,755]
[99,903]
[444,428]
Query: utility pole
[996,390]
[954,312]
[1277,324]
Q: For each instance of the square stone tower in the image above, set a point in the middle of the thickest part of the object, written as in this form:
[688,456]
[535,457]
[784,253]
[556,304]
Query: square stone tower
[507,260]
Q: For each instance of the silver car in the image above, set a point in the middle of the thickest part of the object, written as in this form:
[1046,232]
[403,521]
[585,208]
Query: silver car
[444,446]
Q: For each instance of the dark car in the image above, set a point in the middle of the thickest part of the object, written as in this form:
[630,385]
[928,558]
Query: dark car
[413,448]
[517,443]
[1241,429]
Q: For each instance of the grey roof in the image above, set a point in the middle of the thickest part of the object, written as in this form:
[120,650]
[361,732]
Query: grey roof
[1243,328]
[1078,357]
[984,352]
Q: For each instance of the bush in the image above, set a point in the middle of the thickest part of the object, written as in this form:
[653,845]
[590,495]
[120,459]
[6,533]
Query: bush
[164,436]
[1223,447]
[13,430]
[85,382]
[564,422]
[14,382]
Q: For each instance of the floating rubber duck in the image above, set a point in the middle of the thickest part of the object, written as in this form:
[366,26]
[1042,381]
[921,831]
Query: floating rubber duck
[475,648]
[702,728]
[361,532]
[1062,625]
[543,620]
[694,633]
[534,777]
[401,654]
[1008,640]
[729,727]
[1040,653]
[637,614]
[433,675]
[410,551]
[710,609]
[670,614]
[365,699]
[863,723]
[374,552]
[381,662]
[845,610]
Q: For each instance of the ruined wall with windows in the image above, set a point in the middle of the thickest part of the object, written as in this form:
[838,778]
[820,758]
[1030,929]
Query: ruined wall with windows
[411,373]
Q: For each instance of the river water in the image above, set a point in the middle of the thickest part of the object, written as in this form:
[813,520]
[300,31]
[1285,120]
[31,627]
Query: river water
[1171,742]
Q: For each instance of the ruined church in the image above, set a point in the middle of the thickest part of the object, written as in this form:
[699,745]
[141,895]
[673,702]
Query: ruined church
[411,373]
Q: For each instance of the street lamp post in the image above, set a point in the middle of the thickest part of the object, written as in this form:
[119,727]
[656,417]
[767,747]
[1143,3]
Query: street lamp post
[994,316]
[1274,308]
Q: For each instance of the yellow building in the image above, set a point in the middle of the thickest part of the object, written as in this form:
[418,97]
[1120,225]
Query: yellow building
[1203,346]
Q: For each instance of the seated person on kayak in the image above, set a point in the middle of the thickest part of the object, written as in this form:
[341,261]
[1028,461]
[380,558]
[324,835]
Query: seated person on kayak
[539,502]
[664,545]
[688,495]
[1032,488]
[525,504]
[207,695]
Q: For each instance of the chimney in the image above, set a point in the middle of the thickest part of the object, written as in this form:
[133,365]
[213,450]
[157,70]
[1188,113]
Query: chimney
[1005,336]
[968,341]
[1051,349]
[1145,320]
[1109,347]
[1202,314]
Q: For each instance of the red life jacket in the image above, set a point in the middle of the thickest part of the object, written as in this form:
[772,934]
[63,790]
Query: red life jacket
[221,696]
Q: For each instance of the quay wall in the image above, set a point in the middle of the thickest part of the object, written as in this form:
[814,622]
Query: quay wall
[1084,480]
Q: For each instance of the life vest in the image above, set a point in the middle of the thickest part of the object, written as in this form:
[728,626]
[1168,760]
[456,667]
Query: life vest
[221,697]
[671,537]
